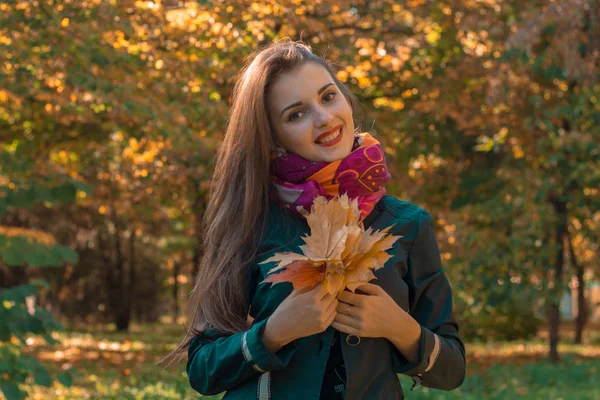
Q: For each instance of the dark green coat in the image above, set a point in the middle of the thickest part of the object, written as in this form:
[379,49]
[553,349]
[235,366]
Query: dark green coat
[241,365]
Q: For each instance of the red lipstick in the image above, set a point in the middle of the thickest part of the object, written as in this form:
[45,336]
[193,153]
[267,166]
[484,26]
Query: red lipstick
[329,132]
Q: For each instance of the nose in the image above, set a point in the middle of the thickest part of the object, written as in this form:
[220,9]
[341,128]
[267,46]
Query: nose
[322,117]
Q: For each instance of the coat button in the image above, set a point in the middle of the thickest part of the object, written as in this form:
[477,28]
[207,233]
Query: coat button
[353,340]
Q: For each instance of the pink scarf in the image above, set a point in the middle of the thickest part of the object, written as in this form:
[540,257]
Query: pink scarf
[362,175]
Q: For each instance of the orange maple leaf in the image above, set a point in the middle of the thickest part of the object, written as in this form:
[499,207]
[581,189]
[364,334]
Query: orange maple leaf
[300,274]
[338,251]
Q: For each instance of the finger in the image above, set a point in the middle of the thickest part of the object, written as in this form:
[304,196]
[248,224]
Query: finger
[350,311]
[343,308]
[299,291]
[325,295]
[344,328]
[350,298]
[316,290]
[331,312]
[330,298]
[331,306]
[307,289]
[370,289]
[347,320]
[331,318]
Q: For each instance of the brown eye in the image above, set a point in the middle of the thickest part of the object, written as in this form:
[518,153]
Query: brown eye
[329,97]
[294,115]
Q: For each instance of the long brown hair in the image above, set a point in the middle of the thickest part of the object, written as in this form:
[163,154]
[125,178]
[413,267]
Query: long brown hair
[237,210]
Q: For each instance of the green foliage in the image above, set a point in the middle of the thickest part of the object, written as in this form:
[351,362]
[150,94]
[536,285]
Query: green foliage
[510,316]
[65,379]
[17,367]
[15,251]
[572,379]
[19,317]
[18,321]
[30,186]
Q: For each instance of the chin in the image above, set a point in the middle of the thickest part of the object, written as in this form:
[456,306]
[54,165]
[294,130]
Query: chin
[337,155]
[338,152]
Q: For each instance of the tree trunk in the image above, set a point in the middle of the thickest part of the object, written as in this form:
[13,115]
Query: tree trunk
[13,276]
[580,320]
[176,269]
[3,277]
[132,275]
[118,297]
[554,315]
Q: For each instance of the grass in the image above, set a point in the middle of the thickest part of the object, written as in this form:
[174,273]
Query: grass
[113,365]
[572,379]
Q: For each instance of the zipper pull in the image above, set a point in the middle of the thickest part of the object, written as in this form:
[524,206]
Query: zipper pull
[417,381]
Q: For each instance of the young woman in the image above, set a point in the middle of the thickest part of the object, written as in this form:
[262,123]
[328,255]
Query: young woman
[291,138]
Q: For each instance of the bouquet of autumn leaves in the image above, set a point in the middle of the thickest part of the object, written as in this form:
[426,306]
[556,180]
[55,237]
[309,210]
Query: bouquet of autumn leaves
[338,252]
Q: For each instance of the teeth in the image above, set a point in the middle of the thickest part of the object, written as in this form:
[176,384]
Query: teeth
[330,137]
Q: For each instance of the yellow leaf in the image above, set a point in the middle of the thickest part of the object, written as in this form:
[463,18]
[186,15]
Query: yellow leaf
[65,22]
[338,251]
[328,228]
[357,277]
[33,235]
[384,243]
[354,236]
[432,37]
[284,259]
[368,240]
[333,283]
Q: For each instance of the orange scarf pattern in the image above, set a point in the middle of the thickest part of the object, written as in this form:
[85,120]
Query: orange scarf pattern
[362,174]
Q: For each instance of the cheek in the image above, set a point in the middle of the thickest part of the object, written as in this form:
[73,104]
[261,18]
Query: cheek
[345,111]
[297,135]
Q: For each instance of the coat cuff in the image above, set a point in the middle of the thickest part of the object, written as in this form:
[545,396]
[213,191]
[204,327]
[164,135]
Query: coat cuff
[256,353]
[429,351]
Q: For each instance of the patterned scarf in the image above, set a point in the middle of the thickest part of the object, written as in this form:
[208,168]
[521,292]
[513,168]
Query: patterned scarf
[362,175]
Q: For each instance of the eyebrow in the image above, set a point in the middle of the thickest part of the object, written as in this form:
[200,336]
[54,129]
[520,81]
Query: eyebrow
[300,103]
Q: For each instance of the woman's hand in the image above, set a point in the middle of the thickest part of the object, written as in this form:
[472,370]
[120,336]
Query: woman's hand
[375,314]
[367,315]
[304,312]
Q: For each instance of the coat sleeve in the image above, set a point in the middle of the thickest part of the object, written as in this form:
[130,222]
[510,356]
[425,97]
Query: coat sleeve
[218,362]
[441,362]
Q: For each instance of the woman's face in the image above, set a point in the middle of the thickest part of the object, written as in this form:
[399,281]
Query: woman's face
[309,114]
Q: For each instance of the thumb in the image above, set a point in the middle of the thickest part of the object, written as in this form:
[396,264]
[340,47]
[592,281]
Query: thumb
[304,289]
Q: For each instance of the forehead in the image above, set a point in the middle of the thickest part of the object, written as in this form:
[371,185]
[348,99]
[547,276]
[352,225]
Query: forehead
[299,83]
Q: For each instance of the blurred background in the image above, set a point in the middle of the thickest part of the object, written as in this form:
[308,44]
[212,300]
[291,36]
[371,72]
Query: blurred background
[111,112]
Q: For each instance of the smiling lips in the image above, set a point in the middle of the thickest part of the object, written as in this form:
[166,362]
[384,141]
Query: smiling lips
[330,137]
